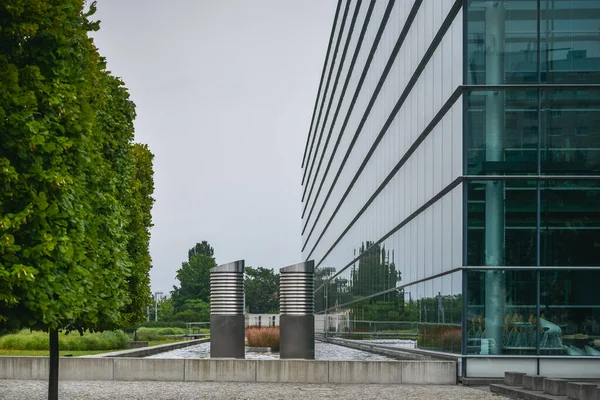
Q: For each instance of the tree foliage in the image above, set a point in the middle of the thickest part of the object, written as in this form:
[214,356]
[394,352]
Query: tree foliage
[75,194]
[376,273]
[261,286]
[194,279]
[165,309]
[139,206]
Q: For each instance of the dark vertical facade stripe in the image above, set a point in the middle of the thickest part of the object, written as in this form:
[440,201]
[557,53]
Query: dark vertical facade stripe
[331,97]
[339,106]
[355,97]
[409,86]
[380,83]
[337,11]
[401,225]
[327,86]
[430,127]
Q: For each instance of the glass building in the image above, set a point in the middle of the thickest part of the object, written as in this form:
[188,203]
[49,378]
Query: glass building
[451,180]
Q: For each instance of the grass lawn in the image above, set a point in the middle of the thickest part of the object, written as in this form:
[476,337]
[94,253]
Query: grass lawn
[74,353]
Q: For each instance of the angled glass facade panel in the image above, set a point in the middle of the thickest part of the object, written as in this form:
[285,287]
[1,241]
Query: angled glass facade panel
[570,223]
[435,309]
[569,41]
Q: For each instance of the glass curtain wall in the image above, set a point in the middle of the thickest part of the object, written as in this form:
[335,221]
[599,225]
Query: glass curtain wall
[386,231]
[532,149]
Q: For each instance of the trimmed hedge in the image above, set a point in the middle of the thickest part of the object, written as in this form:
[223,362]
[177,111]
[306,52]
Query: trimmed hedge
[37,340]
[148,334]
[162,324]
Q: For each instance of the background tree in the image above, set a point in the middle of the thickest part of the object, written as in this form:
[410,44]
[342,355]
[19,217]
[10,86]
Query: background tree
[322,277]
[194,279]
[261,286]
[376,273]
[165,309]
[72,252]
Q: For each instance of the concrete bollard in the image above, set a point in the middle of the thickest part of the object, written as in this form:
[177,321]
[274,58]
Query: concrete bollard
[556,387]
[533,382]
[227,328]
[297,320]
[581,391]
[513,378]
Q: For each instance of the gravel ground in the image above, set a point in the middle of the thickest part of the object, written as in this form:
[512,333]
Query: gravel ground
[76,390]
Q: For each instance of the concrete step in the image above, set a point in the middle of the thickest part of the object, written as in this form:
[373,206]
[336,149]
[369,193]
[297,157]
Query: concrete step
[555,386]
[479,381]
[582,391]
[533,382]
[513,378]
[554,389]
[516,392]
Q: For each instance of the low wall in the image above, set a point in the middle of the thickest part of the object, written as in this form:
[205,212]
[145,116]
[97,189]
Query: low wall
[136,345]
[227,370]
[391,351]
[149,351]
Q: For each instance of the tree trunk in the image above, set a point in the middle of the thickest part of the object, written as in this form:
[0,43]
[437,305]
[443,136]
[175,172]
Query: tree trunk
[53,380]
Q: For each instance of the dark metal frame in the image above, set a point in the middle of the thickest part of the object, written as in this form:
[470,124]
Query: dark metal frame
[350,108]
[308,137]
[331,68]
[337,110]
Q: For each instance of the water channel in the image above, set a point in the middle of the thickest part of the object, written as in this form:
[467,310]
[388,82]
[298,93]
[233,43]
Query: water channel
[323,351]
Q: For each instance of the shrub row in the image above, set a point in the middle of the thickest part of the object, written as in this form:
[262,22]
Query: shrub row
[162,324]
[27,340]
[147,334]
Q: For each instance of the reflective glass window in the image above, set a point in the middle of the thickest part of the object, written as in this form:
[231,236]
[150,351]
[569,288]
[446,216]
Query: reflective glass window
[570,131]
[502,132]
[502,42]
[570,223]
[570,312]
[501,312]
[502,223]
[569,40]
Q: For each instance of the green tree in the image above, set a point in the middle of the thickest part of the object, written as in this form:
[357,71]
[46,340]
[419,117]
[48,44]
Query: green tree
[139,203]
[165,309]
[261,286]
[187,316]
[194,277]
[71,243]
[322,278]
[376,273]
[200,307]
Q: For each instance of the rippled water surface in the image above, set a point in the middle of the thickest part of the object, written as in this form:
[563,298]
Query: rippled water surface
[401,343]
[323,351]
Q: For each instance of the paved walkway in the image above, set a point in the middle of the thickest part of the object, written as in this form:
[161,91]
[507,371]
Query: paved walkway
[78,390]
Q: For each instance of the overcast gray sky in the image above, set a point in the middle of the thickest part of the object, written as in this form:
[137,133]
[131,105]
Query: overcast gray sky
[224,93]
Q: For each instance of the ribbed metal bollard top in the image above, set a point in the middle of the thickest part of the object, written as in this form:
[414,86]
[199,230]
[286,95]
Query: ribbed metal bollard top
[227,289]
[296,289]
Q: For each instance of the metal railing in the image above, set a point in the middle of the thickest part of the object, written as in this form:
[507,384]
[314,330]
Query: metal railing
[197,328]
